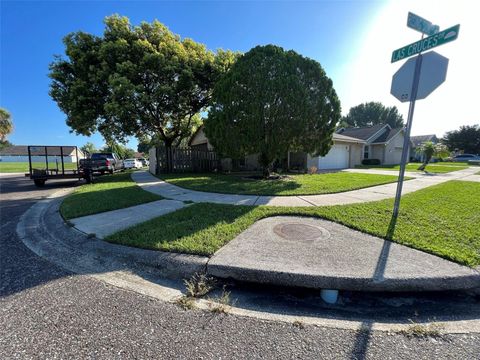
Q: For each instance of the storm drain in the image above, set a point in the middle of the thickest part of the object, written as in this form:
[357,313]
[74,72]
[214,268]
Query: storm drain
[301,232]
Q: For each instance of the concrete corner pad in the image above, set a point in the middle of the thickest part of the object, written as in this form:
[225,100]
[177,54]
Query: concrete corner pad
[320,254]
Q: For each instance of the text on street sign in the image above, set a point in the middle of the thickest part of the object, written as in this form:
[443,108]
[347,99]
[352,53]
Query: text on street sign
[420,24]
[428,43]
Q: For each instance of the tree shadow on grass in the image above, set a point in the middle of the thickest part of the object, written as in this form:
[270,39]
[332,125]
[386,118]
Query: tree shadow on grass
[103,198]
[176,231]
[232,184]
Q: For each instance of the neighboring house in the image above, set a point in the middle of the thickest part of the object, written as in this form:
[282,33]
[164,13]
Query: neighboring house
[19,153]
[350,146]
[416,142]
[380,142]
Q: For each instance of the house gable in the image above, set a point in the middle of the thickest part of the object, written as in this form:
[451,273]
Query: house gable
[367,134]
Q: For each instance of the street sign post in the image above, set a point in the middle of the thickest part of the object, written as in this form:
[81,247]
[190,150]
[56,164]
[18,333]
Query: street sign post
[433,74]
[428,43]
[416,79]
[420,24]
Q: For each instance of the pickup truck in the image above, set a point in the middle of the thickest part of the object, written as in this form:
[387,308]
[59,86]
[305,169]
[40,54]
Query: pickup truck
[102,163]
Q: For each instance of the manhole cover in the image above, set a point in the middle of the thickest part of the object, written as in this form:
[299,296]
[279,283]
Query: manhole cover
[301,232]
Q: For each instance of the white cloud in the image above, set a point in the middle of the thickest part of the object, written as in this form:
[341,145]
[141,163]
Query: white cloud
[456,101]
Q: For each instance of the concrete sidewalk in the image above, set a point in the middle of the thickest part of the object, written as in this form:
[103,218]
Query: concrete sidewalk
[110,222]
[475,178]
[153,184]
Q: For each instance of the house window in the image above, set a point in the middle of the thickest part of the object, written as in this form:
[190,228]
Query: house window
[366,151]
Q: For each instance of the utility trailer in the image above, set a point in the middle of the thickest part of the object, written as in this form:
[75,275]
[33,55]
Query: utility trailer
[55,162]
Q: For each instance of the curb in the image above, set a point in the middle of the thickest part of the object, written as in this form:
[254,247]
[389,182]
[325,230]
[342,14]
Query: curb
[109,263]
[43,230]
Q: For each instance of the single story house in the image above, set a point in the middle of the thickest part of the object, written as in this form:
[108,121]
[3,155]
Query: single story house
[416,142]
[381,142]
[350,146]
[19,153]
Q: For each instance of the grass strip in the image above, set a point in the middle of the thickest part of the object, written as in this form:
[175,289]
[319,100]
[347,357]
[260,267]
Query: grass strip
[109,192]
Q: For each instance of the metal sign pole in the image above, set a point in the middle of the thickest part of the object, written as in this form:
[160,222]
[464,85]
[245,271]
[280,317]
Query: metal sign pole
[406,140]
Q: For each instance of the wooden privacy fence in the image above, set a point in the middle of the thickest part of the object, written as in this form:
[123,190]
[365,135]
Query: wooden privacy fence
[186,160]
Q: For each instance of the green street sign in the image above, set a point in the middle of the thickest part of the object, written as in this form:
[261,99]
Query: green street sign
[420,24]
[428,43]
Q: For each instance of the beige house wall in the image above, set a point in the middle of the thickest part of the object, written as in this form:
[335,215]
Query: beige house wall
[377,152]
[356,153]
[200,138]
[393,150]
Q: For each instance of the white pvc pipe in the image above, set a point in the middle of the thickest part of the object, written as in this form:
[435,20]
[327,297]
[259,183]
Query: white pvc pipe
[329,296]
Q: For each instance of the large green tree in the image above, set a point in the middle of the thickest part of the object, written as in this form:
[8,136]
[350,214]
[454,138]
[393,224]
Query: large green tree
[466,138]
[121,150]
[373,113]
[135,80]
[6,124]
[272,101]
[89,148]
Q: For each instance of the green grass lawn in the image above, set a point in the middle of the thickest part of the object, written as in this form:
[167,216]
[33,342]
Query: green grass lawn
[293,185]
[109,192]
[442,220]
[438,168]
[13,167]
[452,163]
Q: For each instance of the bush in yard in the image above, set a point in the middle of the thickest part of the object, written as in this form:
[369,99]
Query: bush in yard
[370,162]
[272,101]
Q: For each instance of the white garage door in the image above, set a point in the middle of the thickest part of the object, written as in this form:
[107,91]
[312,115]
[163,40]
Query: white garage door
[337,158]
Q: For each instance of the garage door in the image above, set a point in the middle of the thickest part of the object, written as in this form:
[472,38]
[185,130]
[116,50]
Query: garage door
[337,158]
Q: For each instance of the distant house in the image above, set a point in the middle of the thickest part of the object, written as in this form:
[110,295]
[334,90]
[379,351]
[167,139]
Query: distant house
[416,142]
[380,142]
[19,153]
[349,148]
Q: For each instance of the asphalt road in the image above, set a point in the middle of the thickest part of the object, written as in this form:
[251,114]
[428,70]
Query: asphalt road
[47,312]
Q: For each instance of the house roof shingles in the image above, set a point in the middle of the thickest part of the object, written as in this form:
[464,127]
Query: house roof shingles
[363,133]
[341,137]
[387,135]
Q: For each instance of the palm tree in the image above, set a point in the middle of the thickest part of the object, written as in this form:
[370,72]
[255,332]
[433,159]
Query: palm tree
[428,149]
[6,125]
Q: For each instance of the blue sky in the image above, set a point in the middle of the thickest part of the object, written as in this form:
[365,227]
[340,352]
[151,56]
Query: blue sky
[335,33]
[32,32]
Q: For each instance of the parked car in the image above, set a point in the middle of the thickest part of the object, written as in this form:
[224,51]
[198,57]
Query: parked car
[132,164]
[465,157]
[102,163]
[145,162]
